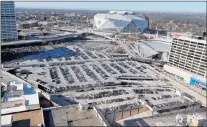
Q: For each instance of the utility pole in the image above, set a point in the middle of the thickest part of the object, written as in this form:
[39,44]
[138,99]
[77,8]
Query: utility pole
[157,32]
[67,115]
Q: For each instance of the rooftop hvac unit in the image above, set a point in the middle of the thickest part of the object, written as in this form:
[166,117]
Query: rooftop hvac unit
[181,120]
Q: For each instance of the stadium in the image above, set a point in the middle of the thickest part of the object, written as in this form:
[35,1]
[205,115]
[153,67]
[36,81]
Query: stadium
[120,22]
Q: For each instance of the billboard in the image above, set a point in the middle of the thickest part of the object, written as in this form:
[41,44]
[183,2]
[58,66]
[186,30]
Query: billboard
[197,83]
[174,35]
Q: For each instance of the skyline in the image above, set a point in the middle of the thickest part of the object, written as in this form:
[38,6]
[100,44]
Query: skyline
[134,6]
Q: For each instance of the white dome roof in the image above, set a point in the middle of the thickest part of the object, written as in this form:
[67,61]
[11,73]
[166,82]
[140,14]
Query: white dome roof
[118,21]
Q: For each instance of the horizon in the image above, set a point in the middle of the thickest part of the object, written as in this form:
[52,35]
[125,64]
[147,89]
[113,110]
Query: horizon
[132,6]
[111,10]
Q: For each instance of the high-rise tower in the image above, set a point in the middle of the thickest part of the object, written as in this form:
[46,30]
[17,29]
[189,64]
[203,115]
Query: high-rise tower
[8,22]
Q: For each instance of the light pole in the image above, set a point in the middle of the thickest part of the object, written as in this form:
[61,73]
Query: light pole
[67,115]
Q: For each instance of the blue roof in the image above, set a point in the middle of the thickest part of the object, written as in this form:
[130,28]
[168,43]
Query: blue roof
[6,97]
[28,90]
[55,53]
[62,100]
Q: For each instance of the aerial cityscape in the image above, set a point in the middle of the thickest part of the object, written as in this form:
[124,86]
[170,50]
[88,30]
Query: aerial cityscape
[65,65]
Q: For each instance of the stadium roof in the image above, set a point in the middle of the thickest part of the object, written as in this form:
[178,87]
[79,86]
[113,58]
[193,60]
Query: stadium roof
[153,47]
[148,50]
[159,46]
[119,17]
[120,21]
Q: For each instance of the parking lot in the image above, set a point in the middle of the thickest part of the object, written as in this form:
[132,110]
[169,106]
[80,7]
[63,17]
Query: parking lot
[86,73]
[113,83]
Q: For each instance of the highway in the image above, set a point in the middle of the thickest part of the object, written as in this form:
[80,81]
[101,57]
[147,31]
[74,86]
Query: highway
[21,42]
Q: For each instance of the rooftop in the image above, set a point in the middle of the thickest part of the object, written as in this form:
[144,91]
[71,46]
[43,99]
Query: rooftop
[13,109]
[169,118]
[149,51]
[29,22]
[159,46]
[77,117]
[6,120]
[196,116]
[191,39]
[30,95]
[17,86]
[15,98]
[35,117]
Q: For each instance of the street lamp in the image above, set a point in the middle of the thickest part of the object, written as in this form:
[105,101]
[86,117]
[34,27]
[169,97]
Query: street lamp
[67,115]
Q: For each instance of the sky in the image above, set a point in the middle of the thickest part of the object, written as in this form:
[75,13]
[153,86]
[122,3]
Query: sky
[134,6]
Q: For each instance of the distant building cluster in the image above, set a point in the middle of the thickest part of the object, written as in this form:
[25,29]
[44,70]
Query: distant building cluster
[181,25]
[28,24]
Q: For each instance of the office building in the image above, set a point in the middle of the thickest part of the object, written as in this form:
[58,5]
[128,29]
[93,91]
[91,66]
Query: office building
[8,22]
[187,61]
[28,24]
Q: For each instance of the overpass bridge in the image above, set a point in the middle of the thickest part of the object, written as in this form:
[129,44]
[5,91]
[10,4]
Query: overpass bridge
[58,38]
[40,41]
[93,41]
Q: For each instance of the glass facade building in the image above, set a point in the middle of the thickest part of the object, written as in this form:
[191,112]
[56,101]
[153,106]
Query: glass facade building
[8,22]
[189,54]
